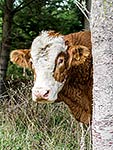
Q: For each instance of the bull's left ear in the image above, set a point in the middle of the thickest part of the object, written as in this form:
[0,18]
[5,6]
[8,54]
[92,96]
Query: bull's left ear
[78,55]
[21,57]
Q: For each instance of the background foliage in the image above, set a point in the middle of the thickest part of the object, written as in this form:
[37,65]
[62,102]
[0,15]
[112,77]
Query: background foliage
[58,15]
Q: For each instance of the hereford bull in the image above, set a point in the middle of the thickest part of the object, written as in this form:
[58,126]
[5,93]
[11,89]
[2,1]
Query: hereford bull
[62,67]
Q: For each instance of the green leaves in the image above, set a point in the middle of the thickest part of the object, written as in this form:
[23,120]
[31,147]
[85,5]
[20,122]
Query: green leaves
[58,15]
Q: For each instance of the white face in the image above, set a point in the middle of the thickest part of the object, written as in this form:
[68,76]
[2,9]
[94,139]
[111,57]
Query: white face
[44,51]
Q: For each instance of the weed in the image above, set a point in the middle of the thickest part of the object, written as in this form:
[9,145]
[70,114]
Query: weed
[26,125]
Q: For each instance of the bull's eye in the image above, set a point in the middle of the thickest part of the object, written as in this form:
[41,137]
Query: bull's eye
[60,61]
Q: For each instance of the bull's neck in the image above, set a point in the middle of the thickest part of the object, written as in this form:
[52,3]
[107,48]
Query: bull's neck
[79,100]
[77,92]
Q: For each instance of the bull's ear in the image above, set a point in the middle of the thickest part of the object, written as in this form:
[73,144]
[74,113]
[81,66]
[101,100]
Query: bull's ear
[78,55]
[21,57]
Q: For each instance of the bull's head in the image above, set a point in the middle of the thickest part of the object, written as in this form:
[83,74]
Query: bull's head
[51,58]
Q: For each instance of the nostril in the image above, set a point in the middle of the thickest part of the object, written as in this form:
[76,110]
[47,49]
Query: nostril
[46,94]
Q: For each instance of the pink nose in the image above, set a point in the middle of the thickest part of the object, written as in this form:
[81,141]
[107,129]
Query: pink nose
[41,93]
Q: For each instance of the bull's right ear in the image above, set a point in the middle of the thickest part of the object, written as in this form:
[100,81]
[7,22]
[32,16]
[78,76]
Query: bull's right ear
[78,54]
[21,57]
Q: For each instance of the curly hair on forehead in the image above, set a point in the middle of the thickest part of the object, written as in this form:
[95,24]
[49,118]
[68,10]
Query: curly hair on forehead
[54,33]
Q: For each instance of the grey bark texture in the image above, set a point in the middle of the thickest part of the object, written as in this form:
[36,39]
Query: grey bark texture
[102,42]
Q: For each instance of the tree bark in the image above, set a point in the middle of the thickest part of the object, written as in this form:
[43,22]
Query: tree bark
[102,49]
[9,13]
[6,41]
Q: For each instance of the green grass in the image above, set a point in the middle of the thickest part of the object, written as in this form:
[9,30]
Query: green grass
[16,72]
[26,125]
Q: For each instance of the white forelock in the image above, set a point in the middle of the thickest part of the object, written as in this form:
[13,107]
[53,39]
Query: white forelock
[44,51]
[44,45]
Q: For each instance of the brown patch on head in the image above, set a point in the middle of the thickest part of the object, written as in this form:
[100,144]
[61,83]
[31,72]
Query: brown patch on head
[60,70]
[74,57]
[79,38]
[53,33]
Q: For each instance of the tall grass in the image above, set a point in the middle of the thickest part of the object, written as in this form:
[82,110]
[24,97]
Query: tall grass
[26,125]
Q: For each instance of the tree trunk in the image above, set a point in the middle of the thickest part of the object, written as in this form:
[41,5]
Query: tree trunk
[6,41]
[9,13]
[102,43]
